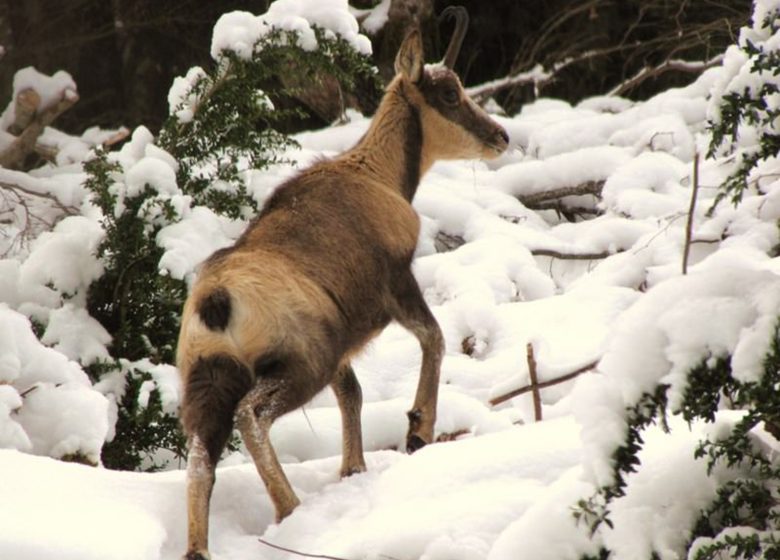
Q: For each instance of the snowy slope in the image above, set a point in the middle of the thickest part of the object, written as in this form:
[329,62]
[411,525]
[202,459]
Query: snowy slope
[492,271]
[502,487]
[401,507]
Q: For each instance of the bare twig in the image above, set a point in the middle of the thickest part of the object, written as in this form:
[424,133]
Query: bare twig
[689,224]
[544,384]
[668,65]
[26,210]
[298,553]
[26,392]
[537,397]
[4,185]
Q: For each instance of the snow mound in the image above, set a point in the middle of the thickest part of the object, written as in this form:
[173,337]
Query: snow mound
[240,31]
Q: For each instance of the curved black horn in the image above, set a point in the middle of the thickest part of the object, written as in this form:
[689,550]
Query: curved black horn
[461,23]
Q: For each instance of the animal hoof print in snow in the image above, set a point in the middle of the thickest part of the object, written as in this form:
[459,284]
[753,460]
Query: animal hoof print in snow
[414,442]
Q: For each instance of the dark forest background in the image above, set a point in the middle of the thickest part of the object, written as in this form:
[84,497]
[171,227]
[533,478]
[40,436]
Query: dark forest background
[124,54]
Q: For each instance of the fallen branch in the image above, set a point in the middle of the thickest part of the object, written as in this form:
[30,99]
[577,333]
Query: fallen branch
[120,135]
[571,213]
[444,242]
[573,256]
[559,207]
[14,154]
[533,201]
[542,385]
[26,105]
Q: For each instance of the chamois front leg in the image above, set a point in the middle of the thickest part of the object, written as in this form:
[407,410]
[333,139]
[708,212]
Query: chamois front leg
[350,398]
[413,313]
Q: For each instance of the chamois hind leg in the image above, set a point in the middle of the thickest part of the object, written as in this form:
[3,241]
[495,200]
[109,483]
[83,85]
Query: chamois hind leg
[254,416]
[214,386]
[413,313]
[200,482]
[350,398]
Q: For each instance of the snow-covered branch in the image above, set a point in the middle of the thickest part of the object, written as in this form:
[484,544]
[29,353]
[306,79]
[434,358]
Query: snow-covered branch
[32,121]
[537,75]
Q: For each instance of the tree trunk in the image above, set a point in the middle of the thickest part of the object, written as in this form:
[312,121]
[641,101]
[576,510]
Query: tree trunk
[401,18]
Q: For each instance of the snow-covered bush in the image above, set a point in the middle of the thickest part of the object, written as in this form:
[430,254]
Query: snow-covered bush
[47,405]
[704,347]
[117,236]
[220,131]
[745,109]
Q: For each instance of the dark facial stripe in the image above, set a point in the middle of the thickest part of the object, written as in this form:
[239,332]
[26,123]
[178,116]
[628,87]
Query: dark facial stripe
[462,113]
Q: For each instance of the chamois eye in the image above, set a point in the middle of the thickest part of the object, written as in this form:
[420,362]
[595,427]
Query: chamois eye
[450,96]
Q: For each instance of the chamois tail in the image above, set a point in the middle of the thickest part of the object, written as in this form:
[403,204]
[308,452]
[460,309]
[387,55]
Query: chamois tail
[214,387]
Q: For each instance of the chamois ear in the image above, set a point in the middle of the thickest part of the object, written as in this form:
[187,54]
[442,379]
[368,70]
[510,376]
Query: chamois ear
[409,60]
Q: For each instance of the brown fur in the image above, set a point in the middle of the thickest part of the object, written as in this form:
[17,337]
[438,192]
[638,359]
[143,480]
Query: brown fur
[323,269]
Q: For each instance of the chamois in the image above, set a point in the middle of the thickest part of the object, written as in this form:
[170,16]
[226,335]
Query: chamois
[323,268]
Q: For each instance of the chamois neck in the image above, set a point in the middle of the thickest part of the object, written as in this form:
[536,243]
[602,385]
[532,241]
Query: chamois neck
[391,149]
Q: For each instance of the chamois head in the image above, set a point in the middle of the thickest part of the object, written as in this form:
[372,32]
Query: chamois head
[453,125]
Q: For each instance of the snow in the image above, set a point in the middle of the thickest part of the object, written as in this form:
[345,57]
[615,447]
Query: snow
[47,405]
[499,485]
[377,17]
[240,31]
[50,90]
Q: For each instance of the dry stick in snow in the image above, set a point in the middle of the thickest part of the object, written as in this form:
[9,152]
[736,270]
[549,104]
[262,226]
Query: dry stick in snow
[529,352]
[689,225]
[297,553]
[544,384]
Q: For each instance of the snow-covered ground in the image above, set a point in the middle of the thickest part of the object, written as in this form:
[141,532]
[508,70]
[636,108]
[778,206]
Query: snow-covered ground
[501,486]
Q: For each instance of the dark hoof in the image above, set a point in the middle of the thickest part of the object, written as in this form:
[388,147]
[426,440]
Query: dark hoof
[414,442]
[200,555]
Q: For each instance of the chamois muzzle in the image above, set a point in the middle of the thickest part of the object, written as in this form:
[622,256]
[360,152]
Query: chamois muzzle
[500,141]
